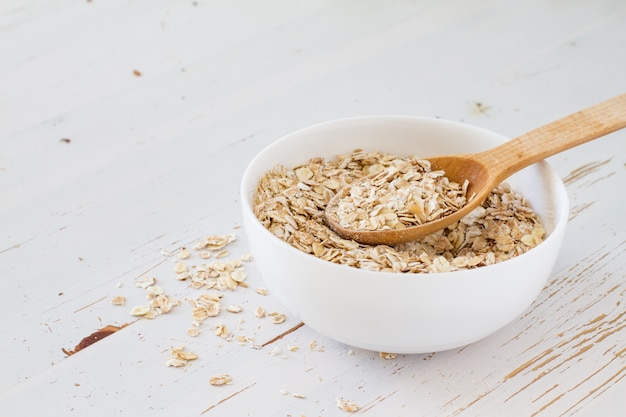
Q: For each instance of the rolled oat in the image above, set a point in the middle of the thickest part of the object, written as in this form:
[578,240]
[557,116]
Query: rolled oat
[220,379]
[291,203]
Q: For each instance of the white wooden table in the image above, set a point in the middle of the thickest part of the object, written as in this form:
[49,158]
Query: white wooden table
[125,126]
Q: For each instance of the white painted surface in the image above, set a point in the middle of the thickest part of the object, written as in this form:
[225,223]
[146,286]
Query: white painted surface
[154,162]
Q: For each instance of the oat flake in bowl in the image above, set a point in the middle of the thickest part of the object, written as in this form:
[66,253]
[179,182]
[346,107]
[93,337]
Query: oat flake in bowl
[291,202]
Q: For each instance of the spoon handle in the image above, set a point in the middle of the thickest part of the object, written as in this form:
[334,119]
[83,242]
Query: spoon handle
[565,133]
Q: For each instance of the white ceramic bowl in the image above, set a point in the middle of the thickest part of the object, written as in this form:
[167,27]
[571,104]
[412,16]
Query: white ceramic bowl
[393,312]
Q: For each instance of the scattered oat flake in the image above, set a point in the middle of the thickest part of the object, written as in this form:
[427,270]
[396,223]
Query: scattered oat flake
[298,395]
[220,379]
[179,357]
[139,311]
[387,355]
[183,276]
[234,308]
[259,312]
[151,314]
[184,253]
[175,362]
[180,267]
[244,339]
[154,290]
[215,242]
[222,331]
[145,282]
[211,277]
[348,406]
[239,275]
[204,254]
[188,356]
[278,318]
[118,300]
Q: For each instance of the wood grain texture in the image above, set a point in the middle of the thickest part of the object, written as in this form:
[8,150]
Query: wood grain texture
[125,127]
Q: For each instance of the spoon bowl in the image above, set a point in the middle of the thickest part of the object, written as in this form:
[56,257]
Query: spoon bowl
[485,170]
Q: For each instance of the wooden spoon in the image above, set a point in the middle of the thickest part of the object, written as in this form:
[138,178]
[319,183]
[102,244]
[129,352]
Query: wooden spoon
[485,170]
